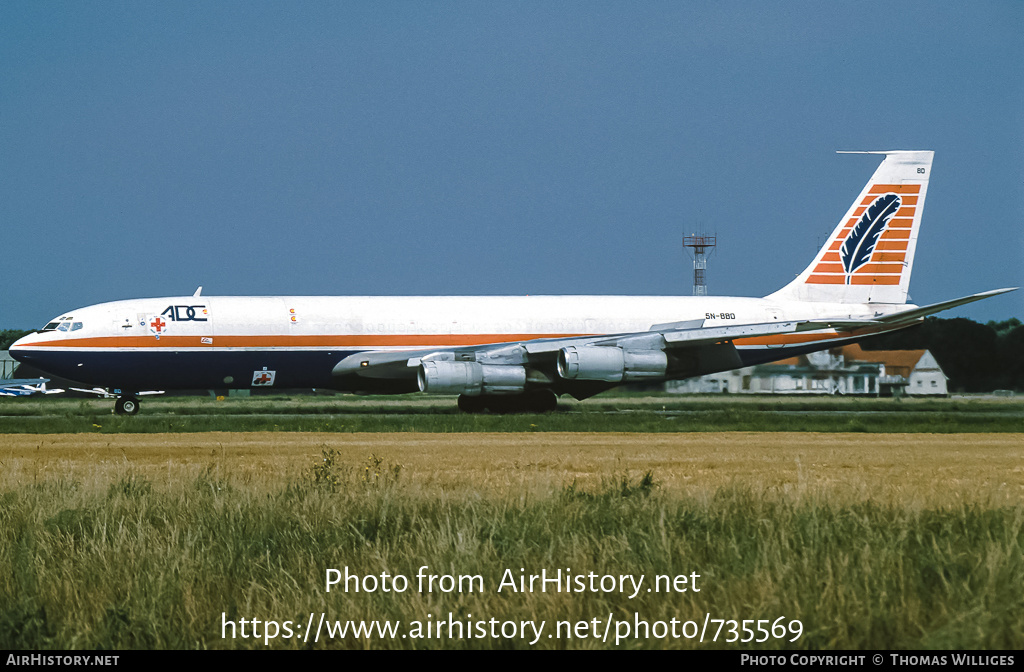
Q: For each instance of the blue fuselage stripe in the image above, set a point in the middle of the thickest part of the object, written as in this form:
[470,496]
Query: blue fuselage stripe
[236,369]
[182,370]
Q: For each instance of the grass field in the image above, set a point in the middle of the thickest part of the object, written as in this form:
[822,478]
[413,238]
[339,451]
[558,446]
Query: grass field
[626,412]
[869,540]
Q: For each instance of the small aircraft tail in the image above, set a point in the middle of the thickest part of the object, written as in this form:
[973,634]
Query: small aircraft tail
[869,256]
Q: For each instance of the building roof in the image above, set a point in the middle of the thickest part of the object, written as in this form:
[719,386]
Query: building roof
[897,362]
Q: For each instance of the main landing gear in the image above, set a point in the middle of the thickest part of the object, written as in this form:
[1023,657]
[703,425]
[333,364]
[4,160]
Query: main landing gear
[535,401]
[126,404]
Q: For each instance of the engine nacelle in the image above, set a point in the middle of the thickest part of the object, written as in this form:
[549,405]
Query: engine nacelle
[610,364]
[470,378]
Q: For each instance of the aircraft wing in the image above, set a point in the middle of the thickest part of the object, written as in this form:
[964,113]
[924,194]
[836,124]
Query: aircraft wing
[567,364]
[20,387]
[585,365]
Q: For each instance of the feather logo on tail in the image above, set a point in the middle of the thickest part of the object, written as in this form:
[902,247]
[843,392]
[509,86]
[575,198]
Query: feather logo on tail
[860,242]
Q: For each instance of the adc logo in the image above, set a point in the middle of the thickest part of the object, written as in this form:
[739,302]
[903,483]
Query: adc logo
[185,313]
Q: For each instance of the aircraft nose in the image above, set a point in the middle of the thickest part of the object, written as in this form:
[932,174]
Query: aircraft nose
[20,346]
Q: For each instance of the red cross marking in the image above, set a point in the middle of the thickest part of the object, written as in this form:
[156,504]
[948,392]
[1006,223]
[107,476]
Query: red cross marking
[158,324]
[264,378]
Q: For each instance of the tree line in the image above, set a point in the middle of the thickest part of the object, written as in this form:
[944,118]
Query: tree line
[975,357]
[8,336]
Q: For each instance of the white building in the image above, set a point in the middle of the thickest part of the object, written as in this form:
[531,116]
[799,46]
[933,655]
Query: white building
[846,370]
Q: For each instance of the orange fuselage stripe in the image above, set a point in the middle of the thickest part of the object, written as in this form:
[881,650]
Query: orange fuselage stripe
[339,341]
[192,342]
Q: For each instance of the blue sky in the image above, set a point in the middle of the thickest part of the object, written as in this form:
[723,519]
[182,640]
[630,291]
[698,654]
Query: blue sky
[492,148]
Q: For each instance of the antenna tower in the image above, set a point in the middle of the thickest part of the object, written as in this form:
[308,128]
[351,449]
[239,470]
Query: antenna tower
[703,246]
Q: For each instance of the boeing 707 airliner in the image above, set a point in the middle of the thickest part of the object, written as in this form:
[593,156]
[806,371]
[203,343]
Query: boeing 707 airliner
[504,353]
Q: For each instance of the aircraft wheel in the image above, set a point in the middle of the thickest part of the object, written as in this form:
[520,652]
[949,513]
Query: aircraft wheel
[469,404]
[126,406]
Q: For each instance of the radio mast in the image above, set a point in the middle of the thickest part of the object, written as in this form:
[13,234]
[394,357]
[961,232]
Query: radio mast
[702,246]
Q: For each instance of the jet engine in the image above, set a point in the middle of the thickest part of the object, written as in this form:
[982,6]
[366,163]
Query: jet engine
[470,378]
[610,364]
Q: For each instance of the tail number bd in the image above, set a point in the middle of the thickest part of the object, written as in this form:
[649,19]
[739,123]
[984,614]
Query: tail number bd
[719,316]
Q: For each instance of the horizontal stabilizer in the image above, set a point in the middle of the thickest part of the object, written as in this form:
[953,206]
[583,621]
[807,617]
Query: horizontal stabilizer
[917,313]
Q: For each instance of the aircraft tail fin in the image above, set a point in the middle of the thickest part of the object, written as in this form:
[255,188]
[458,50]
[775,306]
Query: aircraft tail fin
[869,256]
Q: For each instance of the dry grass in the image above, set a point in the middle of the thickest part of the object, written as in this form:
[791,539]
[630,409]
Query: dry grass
[892,469]
[872,541]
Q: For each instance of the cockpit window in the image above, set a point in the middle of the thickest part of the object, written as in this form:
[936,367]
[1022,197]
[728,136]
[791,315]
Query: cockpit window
[63,324]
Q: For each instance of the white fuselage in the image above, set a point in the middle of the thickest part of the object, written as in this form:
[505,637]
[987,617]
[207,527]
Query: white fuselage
[224,341]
